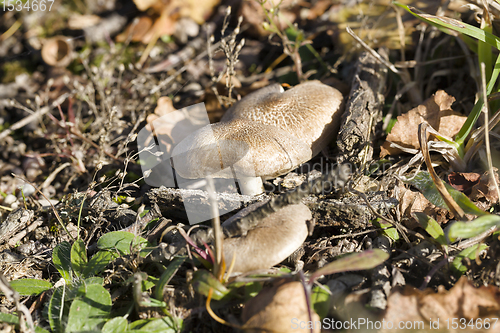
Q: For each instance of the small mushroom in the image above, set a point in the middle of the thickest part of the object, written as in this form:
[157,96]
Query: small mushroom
[280,308]
[310,111]
[274,239]
[57,51]
[240,149]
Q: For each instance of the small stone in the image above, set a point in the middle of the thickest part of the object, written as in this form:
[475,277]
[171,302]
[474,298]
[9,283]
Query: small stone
[9,200]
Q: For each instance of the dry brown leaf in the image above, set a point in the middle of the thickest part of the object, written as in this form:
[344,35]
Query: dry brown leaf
[436,111]
[277,308]
[461,301]
[165,14]
[162,127]
[199,11]
[136,30]
[414,201]
[484,193]
[463,181]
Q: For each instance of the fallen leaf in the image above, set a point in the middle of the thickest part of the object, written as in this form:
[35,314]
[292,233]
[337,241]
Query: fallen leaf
[77,21]
[434,310]
[280,308]
[136,30]
[463,181]
[164,16]
[436,111]
[162,126]
[414,201]
[254,15]
[484,190]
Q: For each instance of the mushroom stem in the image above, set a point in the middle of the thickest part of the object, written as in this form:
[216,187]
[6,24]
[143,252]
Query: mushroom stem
[250,185]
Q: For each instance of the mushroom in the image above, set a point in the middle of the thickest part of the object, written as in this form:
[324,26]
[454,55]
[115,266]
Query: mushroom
[309,111]
[240,149]
[273,240]
[267,134]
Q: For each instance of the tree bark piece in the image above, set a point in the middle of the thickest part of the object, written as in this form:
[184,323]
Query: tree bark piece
[363,111]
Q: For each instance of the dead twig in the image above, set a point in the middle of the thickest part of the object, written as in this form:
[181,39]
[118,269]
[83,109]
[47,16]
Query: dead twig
[25,121]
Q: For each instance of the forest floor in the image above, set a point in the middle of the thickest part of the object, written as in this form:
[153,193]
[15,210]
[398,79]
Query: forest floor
[95,236]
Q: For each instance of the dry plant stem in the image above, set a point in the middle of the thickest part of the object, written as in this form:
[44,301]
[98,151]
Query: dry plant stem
[218,236]
[413,93]
[474,240]
[291,49]
[214,316]
[183,68]
[486,112]
[53,175]
[53,208]
[25,121]
[73,131]
[78,134]
[452,205]
[307,293]
[6,208]
[433,271]
[22,310]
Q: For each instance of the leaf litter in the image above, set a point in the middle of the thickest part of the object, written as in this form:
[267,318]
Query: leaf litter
[108,99]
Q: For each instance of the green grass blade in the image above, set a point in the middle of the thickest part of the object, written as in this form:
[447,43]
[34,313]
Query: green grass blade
[353,262]
[443,23]
[167,275]
[473,228]
[476,110]
[423,182]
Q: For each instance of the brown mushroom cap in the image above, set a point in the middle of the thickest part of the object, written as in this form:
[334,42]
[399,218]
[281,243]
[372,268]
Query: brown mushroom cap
[254,149]
[273,240]
[310,111]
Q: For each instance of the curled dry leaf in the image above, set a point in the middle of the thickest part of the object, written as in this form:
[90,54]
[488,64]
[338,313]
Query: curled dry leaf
[57,51]
[461,301]
[278,308]
[484,193]
[436,111]
[414,201]
[463,181]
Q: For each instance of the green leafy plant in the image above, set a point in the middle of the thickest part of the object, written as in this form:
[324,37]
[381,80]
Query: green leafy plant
[80,302]
[465,151]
